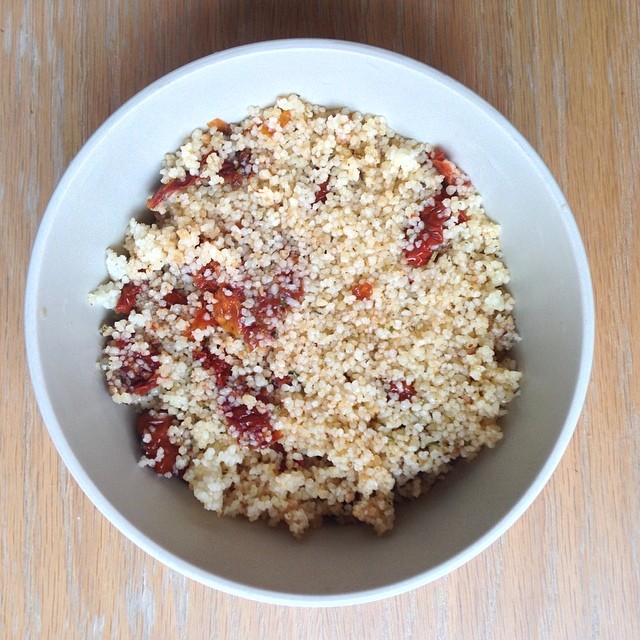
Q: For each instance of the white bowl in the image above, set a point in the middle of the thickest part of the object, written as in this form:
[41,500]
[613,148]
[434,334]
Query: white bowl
[109,181]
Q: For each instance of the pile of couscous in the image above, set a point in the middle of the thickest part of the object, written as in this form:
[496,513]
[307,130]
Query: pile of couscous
[316,324]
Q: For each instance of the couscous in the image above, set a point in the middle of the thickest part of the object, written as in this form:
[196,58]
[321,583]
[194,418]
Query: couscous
[316,324]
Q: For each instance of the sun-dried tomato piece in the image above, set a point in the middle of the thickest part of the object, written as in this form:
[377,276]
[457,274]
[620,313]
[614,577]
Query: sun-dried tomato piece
[220,125]
[291,285]
[279,449]
[431,236]
[400,389]
[295,462]
[152,420]
[221,368]
[447,169]
[279,382]
[244,161]
[321,193]
[284,458]
[230,174]
[236,168]
[175,297]
[251,426]
[451,173]
[154,435]
[143,387]
[267,312]
[240,386]
[165,190]
[285,118]
[270,307]
[128,298]
[202,319]
[362,291]
[138,373]
[206,278]
[226,310]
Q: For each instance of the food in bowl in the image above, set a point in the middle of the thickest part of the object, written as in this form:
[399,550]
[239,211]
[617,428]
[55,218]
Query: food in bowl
[316,324]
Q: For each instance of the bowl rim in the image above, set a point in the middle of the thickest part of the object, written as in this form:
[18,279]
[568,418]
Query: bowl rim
[133,533]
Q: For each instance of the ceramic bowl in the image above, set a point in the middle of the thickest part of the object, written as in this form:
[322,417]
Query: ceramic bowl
[108,183]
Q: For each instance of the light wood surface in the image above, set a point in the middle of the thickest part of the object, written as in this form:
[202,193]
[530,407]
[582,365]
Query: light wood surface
[567,75]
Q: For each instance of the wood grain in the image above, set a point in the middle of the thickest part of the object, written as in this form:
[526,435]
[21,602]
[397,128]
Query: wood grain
[566,74]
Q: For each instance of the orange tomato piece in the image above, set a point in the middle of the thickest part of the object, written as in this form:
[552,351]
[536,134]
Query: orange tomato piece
[285,118]
[362,291]
[220,125]
[227,310]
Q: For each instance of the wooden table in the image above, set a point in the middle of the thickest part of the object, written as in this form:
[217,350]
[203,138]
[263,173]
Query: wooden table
[567,75]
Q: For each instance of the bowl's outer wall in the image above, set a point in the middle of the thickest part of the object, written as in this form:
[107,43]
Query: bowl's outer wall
[109,182]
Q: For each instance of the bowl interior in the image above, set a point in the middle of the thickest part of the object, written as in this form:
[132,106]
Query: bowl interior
[109,182]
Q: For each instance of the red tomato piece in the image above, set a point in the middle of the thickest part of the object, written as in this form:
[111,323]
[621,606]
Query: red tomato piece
[235,168]
[269,308]
[175,297]
[156,438]
[451,173]
[290,285]
[447,169]
[165,190]
[244,160]
[221,368]
[137,373]
[148,420]
[431,236]
[321,193]
[143,387]
[403,391]
[229,173]
[252,427]
[266,312]
[206,278]
[128,297]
